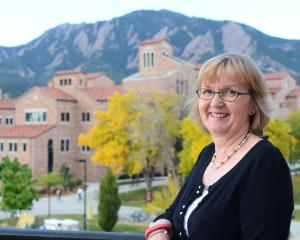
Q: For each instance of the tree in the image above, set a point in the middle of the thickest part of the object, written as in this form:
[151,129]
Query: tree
[109,137]
[153,136]
[294,121]
[136,134]
[163,198]
[109,201]
[280,135]
[194,139]
[66,176]
[16,190]
[47,181]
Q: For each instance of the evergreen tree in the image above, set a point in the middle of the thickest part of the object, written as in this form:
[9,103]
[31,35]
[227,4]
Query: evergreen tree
[16,188]
[66,176]
[109,201]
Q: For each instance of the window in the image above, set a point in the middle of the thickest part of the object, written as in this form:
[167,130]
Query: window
[85,149]
[103,104]
[85,117]
[12,147]
[9,120]
[286,84]
[65,117]
[148,59]
[36,116]
[69,81]
[65,145]
[24,147]
[61,82]
[152,59]
[0,120]
[1,147]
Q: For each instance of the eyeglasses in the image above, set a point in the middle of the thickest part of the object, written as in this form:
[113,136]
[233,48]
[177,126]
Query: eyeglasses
[227,95]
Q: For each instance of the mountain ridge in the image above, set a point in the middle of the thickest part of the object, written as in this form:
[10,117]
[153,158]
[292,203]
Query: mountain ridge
[112,46]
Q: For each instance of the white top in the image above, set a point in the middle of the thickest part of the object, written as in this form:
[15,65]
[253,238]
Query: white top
[191,208]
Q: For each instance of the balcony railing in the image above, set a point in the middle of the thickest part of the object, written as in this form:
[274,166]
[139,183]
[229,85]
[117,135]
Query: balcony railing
[28,234]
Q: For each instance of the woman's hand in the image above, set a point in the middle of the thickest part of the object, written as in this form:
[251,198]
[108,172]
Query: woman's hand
[160,233]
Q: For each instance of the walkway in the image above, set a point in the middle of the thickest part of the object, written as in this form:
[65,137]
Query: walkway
[71,205]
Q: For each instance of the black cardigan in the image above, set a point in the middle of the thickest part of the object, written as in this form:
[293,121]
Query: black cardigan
[253,201]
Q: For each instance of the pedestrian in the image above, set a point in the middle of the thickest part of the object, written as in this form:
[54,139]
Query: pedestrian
[58,195]
[79,193]
[240,187]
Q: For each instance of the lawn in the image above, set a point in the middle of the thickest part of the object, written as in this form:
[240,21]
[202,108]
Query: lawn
[296,215]
[296,188]
[136,197]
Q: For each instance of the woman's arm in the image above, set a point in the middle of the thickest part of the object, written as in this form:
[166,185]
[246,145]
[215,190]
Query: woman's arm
[266,198]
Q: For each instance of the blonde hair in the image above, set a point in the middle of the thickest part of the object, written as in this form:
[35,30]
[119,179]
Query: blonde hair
[244,71]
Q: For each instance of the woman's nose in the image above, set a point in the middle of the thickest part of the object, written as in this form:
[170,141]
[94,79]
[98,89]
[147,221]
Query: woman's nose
[216,100]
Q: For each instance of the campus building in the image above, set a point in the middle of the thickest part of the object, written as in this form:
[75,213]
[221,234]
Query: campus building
[41,127]
[160,71]
[284,92]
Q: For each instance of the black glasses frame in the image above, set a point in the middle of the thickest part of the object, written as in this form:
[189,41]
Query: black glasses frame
[220,94]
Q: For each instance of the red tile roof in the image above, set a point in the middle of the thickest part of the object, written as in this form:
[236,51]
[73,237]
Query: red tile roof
[154,40]
[275,76]
[7,104]
[294,93]
[24,131]
[103,93]
[55,93]
[93,75]
[67,72]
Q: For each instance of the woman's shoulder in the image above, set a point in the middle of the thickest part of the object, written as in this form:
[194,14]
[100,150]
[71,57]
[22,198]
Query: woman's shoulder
[266,155]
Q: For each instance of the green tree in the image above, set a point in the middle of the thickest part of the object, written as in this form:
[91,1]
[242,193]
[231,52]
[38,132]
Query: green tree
[280,135]
[66,176]
[294,121]
[109,201]
[48,181]
[16,188]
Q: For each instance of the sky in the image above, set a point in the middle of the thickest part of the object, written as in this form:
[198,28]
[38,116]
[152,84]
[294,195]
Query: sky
[24,20]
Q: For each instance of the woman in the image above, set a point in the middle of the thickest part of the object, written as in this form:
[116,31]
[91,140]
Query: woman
[240,187]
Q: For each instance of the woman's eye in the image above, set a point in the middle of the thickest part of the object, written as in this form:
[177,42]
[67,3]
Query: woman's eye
[207,91]
[230,92]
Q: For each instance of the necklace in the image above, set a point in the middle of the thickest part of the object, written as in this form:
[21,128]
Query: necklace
[213,159]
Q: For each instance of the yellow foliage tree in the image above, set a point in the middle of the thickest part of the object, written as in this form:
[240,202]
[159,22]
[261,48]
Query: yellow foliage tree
[279,133]
[162,199]
[294,121]
[194,139]
[135,134]
[109,137]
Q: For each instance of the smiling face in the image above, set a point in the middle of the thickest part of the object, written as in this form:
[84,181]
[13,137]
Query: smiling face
[222,118]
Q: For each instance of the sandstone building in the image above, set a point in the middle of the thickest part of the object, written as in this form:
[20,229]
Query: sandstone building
[41,127]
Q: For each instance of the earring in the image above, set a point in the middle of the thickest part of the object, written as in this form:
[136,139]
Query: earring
[251,113]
